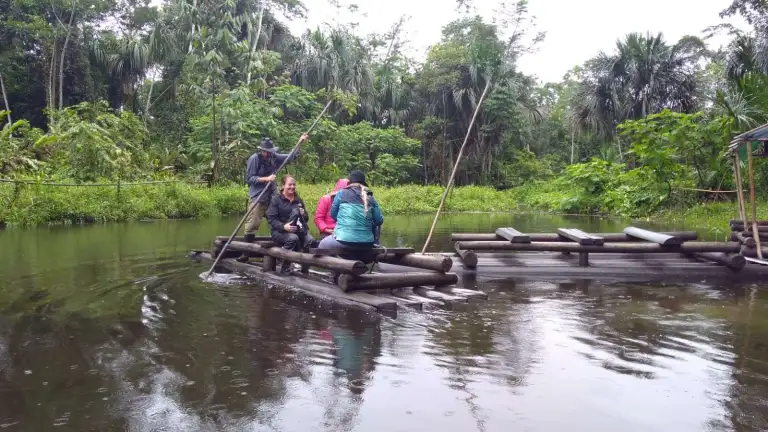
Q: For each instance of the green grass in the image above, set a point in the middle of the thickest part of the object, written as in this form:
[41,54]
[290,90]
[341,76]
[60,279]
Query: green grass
[40,205]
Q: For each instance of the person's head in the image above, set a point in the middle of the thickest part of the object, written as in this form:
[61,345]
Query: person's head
[288,185]
[357,176]
[267,148]
[341,184]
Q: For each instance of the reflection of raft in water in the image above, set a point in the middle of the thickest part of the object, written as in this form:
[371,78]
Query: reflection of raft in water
[402,277]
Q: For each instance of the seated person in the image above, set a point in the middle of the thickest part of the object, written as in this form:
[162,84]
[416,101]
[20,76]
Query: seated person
[288,219]
[357,216]
[323,220]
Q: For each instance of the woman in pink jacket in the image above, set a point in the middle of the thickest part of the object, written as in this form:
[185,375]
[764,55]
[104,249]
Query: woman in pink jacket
[323,219]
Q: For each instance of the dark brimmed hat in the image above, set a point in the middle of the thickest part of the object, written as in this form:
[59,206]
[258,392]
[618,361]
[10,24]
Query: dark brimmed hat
[357,176]
[267,145]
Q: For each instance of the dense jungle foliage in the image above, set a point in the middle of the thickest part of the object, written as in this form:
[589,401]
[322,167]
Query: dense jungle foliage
[133,90]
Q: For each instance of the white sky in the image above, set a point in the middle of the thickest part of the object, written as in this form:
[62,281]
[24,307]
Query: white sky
[576,29]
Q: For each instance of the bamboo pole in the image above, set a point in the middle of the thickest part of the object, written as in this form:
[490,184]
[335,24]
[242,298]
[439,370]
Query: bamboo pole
[242,221]
[752,203]
[455,167]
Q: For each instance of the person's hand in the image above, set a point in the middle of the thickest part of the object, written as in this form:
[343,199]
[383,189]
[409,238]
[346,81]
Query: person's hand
[304,137]
[289,228]
[329,230]
[271,178]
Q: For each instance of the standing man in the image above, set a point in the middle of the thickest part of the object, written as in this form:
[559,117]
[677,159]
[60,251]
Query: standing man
[260,175]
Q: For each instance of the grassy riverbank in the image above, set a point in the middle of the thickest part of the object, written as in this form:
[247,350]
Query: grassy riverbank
[30,205]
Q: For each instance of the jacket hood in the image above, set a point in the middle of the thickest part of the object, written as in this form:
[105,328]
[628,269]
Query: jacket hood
[341,184]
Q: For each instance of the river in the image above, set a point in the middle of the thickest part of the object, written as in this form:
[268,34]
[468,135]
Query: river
[109,328]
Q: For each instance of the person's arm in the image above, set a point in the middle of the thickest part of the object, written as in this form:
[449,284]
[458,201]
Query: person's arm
[323,207]
[281,157]
[273,215]
[335,205]
[250,173]
[378,216]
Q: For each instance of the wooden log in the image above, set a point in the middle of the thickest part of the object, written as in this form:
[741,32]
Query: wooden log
[580,236]
[378,281]
[553,237]
[215,251]
[462,292]
[752,252]
[437,295]
[410,302]
[345,251]
[738,222]
[312,289]
[468,257]
[740,228]
[661,239]
[606,248]
[408,295]
[257,239]
[439,264]
[513,235]
[741,238]
[732,261]
[331,263]
[265,243]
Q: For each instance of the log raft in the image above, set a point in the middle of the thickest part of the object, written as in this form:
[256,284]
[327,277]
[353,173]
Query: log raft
[632,241]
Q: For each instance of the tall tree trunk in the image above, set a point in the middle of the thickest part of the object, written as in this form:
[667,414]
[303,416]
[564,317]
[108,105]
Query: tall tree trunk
[5,99]
[52,79]
[572,146]
[64,54]
[255,44]
[149,102]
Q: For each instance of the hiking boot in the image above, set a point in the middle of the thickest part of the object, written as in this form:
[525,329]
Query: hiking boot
[249,238]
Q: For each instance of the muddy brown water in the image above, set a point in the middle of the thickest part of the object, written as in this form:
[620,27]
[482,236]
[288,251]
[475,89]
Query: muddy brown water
[108,328]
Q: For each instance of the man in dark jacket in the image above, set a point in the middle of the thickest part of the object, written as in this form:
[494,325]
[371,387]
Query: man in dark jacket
[288,220]
[259,175]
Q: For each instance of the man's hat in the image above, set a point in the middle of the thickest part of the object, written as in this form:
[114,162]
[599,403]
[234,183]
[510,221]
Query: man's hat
[267,146]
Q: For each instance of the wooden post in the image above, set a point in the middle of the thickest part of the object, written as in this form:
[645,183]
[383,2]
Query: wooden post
[584,259]
[268,264]
[753,203]
[739,188]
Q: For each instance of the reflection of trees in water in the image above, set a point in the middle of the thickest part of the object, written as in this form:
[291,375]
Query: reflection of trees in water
[744,332]
[498,340]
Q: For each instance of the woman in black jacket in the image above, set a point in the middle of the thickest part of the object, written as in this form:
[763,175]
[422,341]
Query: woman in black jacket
[288,220]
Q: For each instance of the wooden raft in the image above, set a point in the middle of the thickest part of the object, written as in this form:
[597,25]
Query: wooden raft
[345,277]
[635,241]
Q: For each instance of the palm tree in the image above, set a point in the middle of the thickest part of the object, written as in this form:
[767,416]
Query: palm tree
[643,76]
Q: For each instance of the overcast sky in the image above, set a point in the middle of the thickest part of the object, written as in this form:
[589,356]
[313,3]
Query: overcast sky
[576,29]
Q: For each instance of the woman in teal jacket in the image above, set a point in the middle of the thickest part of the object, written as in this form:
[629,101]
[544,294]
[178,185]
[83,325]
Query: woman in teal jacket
[357,216]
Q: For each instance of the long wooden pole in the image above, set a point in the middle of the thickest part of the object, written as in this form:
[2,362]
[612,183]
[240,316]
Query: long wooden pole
[752,203]
[739,188]
[252,208]
[455,167]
